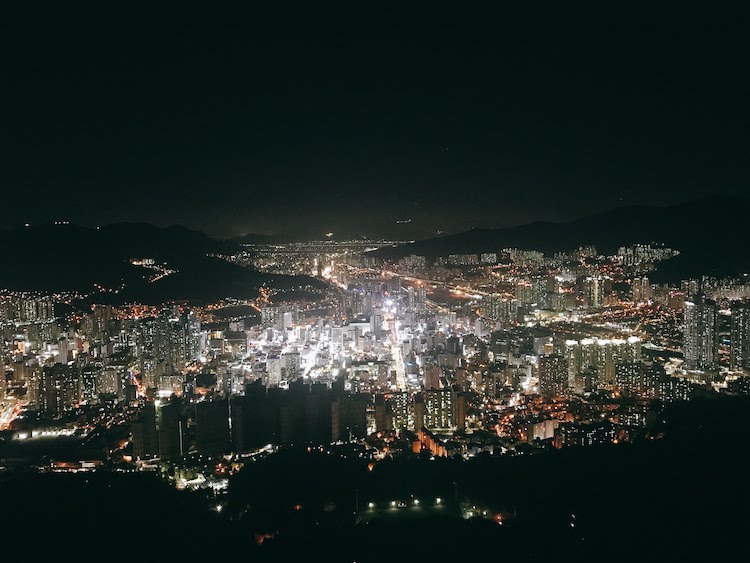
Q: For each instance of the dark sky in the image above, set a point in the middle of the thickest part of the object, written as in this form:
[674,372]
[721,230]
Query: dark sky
[305,121]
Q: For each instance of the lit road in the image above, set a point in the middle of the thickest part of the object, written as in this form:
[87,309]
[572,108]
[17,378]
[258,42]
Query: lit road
[9,409]
[397,354]
[458,290]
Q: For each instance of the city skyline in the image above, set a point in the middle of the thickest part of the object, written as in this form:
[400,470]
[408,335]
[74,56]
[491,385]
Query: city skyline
[373,285]
[367,391]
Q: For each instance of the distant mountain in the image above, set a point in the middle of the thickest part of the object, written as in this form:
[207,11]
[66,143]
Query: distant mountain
[711,235]
[72,258]
[255,239]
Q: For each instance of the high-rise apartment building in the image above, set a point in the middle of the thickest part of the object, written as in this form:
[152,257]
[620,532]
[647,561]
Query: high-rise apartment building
[700,334]
[553,375]
[739,357]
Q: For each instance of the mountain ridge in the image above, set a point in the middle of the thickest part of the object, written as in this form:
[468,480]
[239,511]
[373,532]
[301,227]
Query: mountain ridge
[708,232]
[70,258]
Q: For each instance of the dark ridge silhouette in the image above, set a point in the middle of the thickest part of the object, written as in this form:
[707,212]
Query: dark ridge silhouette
[681,498]
[64,257]
[710,234]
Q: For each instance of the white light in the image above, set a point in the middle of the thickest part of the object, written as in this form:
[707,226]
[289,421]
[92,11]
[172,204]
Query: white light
[438,500]
[370,505]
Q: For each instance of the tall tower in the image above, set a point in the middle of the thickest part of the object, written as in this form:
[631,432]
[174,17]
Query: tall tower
[700,335]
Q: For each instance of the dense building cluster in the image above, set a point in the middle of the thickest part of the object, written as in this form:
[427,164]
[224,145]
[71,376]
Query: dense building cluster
[493,353]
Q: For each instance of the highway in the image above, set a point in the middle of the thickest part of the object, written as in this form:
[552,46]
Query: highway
[9,409]
[397,354]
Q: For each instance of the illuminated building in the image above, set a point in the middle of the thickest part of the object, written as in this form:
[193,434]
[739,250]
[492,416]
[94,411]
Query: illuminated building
[644,253]
[525,258]
[740,335]
[670,389]
[572,353]
[594,291]
[290,362]
[271,317]
[500,310]
[488,258]
[22,309]
[412,264]
[544,430]
[553,376]
[169,339]
[273,371]
[586,434]
[3,367]
[524,292]
[194,338]
[89,392]
[400,409]
[641,290]
[691,288]
[376,322]
[443,409]
[588,379]
[632,415]
[700,334]
[629,378]
[59,388]
[463,259]
[62,350]
[33,378]
[600,354]
[111,381]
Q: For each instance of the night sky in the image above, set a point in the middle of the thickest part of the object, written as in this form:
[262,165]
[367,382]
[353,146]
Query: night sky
[308,122]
